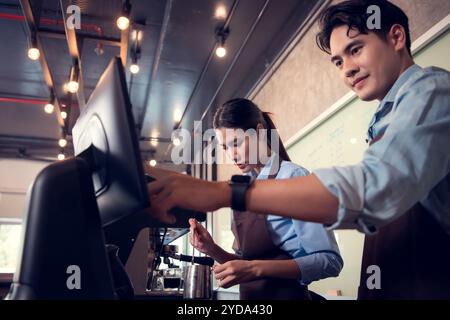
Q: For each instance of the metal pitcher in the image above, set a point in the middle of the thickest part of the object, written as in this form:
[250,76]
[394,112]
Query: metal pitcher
[197,282]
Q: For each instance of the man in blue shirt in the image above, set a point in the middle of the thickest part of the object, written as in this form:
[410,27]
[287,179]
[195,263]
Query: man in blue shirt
[399,193]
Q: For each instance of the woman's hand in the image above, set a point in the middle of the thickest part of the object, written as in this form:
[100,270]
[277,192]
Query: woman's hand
[200,238]
[236,271]
[173,189]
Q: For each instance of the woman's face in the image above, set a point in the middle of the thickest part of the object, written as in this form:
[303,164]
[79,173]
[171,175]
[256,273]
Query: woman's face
[242,149]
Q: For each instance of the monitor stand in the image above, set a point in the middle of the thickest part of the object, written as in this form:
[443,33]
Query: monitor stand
[63,248]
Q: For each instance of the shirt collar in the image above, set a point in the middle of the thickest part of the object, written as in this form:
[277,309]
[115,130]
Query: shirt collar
[390,97]
[267,169]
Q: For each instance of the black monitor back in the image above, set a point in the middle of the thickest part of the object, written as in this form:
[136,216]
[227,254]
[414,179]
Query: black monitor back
[106,136]
[63,253]
[107,125]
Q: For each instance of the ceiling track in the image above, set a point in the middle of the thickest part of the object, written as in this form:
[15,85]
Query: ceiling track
[156,60]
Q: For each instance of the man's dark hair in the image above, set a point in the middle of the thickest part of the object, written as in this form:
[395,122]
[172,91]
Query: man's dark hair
[353,13]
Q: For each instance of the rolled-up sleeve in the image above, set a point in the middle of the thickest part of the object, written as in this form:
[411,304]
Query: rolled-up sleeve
[318,266]
[401,169]
[318,255]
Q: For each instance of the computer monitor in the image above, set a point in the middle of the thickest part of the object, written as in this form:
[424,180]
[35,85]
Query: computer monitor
[107,125]
[76,206]
[105,134]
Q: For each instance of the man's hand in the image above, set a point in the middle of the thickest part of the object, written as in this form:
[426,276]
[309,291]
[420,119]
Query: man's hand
[159,173]
[172,189]
[236,271]
[200,238]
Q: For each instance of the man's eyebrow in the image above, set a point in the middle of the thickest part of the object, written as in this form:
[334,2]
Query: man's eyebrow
[334,58]
[347,49]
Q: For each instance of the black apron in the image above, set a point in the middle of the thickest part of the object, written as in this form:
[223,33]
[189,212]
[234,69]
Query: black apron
[253,240]
[413,254]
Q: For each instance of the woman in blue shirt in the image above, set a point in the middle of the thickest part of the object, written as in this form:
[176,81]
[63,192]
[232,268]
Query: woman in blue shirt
[276,257]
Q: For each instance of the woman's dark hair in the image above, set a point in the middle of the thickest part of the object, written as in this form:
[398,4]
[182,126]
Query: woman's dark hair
[244,114]
[353,13]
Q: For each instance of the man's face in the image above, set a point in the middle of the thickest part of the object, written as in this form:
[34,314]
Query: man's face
[367,64]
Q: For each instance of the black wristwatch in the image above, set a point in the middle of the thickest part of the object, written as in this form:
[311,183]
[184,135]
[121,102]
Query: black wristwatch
[239,185]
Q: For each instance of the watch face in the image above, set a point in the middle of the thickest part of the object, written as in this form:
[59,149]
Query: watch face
[240,179]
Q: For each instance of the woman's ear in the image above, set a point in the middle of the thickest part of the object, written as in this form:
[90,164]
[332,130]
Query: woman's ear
[259,126]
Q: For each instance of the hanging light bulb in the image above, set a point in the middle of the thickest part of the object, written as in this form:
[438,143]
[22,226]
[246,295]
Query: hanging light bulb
[72,85]
[134,68]
[33,51]
[176,142]
[177,115]
[64,115]
[152,163]
[123,22]
[221,35]
[50,106]
[221,12]
[221,51]
[135,55]
[61,156]
[62,142]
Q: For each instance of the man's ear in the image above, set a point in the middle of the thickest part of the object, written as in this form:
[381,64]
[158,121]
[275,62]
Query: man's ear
[397,37]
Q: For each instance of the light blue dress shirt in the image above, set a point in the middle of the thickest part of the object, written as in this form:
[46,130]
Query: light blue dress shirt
[312,247]
[409,164]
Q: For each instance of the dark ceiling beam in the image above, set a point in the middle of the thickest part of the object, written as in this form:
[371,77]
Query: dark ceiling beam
[155,65]
[124,43]
[51,12]
[31,148]
[32,28]
[9,139]
[49,33]
[24,144]
[125,39]
[75,53]
[21,96]
[18,155]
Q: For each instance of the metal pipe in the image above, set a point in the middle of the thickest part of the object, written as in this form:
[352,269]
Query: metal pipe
[21,100]
[52,22]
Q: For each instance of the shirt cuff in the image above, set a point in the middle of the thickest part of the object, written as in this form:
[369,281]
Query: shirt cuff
[308,269]
[348,186]
[319,265]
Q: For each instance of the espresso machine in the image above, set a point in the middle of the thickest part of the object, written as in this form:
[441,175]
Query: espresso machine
[173,280]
